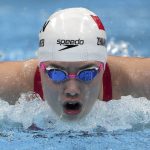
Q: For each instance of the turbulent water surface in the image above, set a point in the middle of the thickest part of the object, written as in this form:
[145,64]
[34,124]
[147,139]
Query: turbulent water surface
[118,124]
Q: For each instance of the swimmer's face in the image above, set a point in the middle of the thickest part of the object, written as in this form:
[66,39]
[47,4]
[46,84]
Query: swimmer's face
[71,99]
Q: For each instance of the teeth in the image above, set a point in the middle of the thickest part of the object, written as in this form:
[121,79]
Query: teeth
[72,102]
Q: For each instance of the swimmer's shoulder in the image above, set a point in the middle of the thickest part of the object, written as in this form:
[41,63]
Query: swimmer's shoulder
[128,64]
[129,76]
[116,63]
[29,69]
[120,69]
[16,77]
[30,64]
[123,68]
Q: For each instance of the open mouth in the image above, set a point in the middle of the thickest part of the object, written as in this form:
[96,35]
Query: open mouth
[72,108]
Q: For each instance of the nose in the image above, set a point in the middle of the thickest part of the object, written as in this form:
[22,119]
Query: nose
[72,89]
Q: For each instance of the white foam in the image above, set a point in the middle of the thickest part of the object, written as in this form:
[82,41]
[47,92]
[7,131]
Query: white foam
[125,113]
[121,48]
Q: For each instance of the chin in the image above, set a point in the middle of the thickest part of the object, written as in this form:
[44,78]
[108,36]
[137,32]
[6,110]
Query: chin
[73,117]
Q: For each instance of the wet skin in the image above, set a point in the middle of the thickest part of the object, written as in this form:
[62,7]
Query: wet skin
[71,91]
[129,76]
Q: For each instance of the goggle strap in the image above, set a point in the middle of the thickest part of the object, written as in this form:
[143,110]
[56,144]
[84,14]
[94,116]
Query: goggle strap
[101,66]
[43,67]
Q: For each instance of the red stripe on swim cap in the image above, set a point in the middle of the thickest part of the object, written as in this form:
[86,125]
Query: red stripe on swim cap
[98,22]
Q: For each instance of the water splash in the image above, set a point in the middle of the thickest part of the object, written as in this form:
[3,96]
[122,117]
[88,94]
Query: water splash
[121,48]
[118,124]
[123,114]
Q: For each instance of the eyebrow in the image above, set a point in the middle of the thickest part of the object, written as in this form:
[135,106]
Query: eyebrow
[57,66]
[80,68]
[86,66]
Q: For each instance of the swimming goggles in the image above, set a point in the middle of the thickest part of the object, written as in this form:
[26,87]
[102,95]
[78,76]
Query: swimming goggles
[59,75]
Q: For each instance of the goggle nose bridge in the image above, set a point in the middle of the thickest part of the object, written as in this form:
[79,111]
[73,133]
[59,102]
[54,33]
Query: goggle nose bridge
[72,76]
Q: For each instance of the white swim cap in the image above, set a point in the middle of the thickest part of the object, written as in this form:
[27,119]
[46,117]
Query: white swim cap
[74,34]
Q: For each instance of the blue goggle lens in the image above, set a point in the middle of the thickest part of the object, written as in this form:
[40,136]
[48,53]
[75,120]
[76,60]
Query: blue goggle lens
[87,75]
[58,75]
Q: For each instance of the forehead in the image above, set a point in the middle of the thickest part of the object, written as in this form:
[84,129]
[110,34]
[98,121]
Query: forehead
[77,65]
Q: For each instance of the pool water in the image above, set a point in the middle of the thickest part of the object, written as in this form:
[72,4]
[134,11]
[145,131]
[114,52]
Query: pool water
[115,125]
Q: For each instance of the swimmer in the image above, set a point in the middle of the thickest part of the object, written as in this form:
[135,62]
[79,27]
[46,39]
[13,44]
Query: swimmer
[73,70]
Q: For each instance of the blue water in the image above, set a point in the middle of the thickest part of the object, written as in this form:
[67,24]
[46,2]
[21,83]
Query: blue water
[116,125]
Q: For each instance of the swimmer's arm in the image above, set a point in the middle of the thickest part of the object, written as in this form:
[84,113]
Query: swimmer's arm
[15,78]
[130,76]
[139,74]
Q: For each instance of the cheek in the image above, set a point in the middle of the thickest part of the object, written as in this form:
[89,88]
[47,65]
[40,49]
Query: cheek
[51,90]
[90,98]
[52,96]
[96,84]
[94,89]
[93,92]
